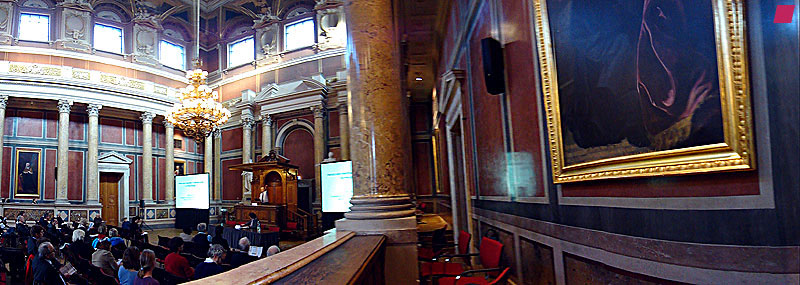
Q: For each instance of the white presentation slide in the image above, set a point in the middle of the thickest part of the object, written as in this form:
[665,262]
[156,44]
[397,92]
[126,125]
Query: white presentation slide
[337,186]
[192,191]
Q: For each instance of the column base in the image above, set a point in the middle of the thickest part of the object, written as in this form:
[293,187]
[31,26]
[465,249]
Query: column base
[394,218]
[62,202]
[92,203]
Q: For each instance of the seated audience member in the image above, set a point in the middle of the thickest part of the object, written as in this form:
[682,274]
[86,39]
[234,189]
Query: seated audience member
[44,220]
[21,228]
[273,250]
[113,237]
[104,259]
[129,267]
[211,265]
[45,266]
[80,247]
[218,238]
[145,275]
[253,223]
[186,235]
[37,232]
[240,257]
[126,225]
[175,263]
[201,238]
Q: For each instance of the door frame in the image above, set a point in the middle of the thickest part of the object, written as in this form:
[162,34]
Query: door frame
[454,116]
[113,162]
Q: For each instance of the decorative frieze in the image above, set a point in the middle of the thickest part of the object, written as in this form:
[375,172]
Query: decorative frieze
[81,74]
[121,81]
[34,69]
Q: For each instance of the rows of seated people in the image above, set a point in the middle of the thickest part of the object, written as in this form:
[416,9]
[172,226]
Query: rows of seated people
[55,252]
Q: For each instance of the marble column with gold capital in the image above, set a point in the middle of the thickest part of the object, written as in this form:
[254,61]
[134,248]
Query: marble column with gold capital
[3,104]
[147,156]
[169,182]
[380,140]
[93,173]
[64,107]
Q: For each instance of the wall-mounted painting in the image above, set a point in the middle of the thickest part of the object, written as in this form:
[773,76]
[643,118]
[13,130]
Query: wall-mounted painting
[27,172]
[644,88]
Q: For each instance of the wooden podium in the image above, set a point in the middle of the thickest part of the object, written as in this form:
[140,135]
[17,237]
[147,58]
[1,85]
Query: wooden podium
[273,174]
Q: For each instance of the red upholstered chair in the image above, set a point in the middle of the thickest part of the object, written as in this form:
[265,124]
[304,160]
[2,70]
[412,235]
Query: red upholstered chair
[274,229]
[489,254]
[465,279]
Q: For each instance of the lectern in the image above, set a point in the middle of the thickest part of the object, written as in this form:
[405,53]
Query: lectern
[274,174]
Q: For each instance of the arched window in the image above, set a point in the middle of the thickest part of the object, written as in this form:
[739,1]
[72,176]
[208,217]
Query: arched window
[172,55]
[299,34]
[108,38]
[34,21]
[241,52]
[108,35]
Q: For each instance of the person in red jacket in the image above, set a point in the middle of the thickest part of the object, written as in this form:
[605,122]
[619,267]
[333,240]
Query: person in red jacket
[175,263]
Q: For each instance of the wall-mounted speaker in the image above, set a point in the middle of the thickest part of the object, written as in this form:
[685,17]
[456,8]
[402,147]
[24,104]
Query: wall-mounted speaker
[493,68]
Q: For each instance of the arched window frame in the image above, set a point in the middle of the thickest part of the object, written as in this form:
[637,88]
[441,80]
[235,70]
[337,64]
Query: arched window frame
[232,38]
[188,51]
[50,12]
[123,25]
[294,20]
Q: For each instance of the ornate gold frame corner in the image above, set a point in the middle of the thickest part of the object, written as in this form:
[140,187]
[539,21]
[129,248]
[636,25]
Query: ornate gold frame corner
[736,153]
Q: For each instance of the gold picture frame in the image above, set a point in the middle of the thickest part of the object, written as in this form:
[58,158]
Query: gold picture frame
[735,153]
[31,186]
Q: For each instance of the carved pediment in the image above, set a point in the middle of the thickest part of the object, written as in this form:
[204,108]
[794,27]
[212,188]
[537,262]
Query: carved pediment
[113,157]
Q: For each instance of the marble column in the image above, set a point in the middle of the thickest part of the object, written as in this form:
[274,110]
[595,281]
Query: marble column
[3,103]
[319,150]
[247,131]
[64,107]
[344,132]
[147,156]
[93,173]
[266,134]
[208,154]
[217,165]
[169,132]
[381,142]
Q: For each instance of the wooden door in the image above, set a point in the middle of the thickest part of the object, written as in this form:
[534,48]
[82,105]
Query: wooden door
[109,198]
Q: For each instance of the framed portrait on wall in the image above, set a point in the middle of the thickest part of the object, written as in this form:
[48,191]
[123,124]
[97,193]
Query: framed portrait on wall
[27,170]
[644,88]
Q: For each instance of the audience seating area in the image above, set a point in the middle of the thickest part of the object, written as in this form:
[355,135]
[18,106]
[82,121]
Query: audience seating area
[20,266]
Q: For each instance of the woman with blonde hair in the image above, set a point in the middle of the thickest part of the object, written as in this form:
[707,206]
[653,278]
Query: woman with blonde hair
[145,276]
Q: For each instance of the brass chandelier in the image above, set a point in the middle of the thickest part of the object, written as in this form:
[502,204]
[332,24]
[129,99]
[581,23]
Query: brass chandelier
[198,114]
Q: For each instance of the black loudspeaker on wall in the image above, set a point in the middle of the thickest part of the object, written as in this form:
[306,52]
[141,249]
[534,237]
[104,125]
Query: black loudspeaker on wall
[493,68]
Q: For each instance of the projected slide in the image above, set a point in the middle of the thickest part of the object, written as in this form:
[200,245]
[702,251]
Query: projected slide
[337,186]
[191,191]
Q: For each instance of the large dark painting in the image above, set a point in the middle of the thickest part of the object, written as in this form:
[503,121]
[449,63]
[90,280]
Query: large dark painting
[632,78]
[27,172]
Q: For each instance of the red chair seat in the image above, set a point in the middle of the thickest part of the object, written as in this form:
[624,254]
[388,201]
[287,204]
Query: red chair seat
[274,229]
[231,223]
[432,268]
[426,253]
